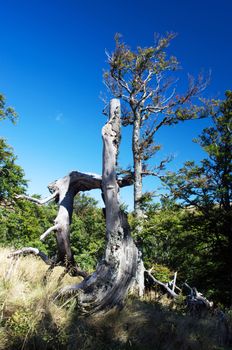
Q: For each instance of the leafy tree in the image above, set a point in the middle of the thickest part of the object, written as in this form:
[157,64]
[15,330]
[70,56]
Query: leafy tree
[12,180]
[20,221]
[207,190]
[22,224]
[144,79]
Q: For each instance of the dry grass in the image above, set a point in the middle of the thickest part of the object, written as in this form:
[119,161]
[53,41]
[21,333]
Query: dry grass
[26,301]
[31,317]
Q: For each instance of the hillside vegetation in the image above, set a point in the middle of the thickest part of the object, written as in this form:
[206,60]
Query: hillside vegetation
[32,317]
[196,244]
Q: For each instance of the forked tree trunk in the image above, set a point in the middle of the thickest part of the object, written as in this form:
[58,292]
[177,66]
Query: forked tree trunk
[63,192]
[117,273]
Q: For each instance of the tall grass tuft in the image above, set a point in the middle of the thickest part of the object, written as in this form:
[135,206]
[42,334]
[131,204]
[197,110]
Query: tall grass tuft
[27,304]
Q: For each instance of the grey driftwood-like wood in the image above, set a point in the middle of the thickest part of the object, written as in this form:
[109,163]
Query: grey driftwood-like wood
[30,250]
[121,268]
[171,292]
[196,302]
[116,272]
[63,192]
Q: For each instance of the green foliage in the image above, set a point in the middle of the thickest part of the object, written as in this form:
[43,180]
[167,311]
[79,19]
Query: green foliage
[162,273]
[22,225]
[7,112]
[87,232]
[12,180]
[145,80]
[209,183]
[203,245]
[160,229]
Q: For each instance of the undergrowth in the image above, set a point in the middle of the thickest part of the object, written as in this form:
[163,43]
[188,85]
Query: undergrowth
[32,317]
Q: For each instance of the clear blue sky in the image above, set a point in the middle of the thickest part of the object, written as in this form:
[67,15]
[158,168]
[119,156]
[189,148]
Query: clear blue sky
[52,54]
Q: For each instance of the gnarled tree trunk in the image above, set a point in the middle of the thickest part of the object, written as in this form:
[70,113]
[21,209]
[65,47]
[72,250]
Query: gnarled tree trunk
[117,271]
[63,192]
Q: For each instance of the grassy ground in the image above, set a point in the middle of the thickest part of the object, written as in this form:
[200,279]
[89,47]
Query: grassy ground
[31,317]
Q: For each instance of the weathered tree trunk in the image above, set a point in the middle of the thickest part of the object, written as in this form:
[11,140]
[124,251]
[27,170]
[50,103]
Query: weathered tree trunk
[121,267]
[137,167]
[64,191]
[116,273]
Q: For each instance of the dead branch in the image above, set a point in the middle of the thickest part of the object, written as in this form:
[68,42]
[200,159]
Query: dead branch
[37,200]
[170,291]
[30,250]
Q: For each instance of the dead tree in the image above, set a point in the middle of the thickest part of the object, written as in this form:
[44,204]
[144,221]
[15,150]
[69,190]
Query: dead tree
[169,288]
[196,303]
[121,268]
[63,192]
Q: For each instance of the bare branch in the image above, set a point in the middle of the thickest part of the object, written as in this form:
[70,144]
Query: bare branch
[148,78]
[124,84]
[169,97]
[37,200]
[82,181]
[46,233]
[165,285]
[30,250]
[145,97]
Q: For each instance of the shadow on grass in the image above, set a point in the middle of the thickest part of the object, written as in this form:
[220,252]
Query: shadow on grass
[140,325]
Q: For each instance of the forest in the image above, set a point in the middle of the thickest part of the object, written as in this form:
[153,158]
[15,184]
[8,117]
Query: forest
[77,276]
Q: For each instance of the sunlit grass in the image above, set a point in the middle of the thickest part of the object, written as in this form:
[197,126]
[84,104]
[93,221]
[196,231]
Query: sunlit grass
[32,317]
[26,300]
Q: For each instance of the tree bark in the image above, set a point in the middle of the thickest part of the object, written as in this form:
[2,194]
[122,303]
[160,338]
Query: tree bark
[137,167]
[121,267]
[63,191]
[116,273]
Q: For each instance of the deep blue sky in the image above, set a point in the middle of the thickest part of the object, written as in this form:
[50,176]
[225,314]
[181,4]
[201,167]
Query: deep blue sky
[52,54]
